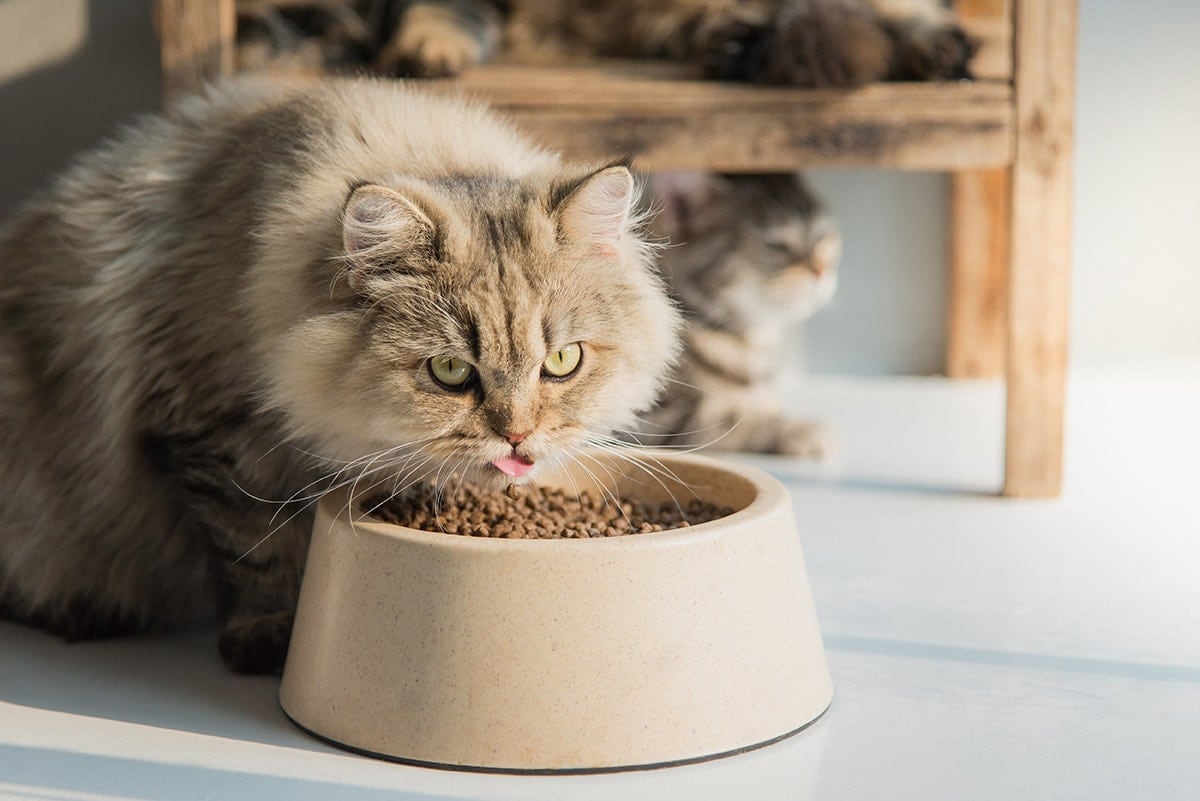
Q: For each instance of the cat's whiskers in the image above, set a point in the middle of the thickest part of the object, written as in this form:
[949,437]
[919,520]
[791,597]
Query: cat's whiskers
[404,472]
[682,383]
[438,488]
[668,434]
[642,458]
[396,490]
[309,502]
[274,448]
[327,483]
[557,459]
[612,492]
[456,473]
[298,496]
[654,469]
[648,464]
[682,447]
[406,469]
[646,461]
[438,484]
[605,492]
[396,477]
[331,460]
[369,461]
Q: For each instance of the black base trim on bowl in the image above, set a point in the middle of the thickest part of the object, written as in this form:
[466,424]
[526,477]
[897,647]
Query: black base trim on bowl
[420,763]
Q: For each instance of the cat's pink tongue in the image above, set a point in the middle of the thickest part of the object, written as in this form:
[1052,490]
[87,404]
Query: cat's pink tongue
[512,466]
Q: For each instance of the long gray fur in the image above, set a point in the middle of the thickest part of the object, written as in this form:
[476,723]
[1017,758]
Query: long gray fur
[189,354]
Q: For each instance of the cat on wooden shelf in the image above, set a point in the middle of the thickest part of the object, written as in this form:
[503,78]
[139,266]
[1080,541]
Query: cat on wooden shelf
[811,43]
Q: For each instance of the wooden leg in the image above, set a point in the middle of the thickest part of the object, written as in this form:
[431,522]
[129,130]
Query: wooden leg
[197,39]
[979,244]
[1039,272]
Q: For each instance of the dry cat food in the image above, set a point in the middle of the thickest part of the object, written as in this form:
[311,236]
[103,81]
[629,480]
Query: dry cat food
[536,513]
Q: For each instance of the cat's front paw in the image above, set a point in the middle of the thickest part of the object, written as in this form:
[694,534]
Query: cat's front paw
[935,53]
[732,49]
[805,440]
[430,48]
[256,644]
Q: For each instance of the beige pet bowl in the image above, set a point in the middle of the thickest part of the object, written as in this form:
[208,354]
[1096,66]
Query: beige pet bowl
[562,655]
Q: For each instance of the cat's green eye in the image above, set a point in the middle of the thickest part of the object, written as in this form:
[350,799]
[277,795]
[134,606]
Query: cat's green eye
[450,372]
[564,361]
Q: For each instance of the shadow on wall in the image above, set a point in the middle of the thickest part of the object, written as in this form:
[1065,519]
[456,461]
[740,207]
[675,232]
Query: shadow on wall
[53,111]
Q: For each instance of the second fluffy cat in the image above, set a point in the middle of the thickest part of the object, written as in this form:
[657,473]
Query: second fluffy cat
[757,254]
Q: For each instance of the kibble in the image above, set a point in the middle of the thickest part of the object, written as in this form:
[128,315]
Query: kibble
[530,512]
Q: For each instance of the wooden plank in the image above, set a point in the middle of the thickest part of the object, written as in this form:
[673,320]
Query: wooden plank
[990,23]
[668,120]
[1039,273]
[197,41]
[649,86]
[979,245]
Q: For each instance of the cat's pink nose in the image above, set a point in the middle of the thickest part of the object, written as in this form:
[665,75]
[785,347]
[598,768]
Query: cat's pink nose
[515,439]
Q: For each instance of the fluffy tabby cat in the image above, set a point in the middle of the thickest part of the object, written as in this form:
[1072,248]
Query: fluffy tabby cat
[765,256]
[724,394]
[275,288]
[757,255]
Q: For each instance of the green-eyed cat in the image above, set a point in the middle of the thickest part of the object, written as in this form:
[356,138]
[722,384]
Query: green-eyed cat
[765,256]
[277,288]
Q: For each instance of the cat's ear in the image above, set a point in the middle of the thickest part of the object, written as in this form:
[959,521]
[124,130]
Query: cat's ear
[382,229]
[596,210]
[689,202]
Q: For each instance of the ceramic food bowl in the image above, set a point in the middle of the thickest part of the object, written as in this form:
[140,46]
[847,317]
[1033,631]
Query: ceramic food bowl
[562,655]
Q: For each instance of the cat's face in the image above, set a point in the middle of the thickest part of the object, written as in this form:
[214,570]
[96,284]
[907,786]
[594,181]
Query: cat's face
[786,266]
[751,249]
[495,328]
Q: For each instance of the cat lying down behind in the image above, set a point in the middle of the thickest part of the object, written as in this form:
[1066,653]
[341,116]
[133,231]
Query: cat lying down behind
[750,256]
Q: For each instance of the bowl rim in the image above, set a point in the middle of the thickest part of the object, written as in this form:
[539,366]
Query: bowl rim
[770,494]
[576,771]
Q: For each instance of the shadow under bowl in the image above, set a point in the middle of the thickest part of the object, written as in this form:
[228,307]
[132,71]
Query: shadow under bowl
[562,655]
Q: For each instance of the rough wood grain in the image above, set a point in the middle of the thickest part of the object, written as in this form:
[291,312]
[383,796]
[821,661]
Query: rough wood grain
[669,120]
[197,42]
[1039,274]
[979,247]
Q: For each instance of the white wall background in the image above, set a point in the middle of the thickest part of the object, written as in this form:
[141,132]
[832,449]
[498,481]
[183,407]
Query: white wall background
[1136,279]
[1137,212]
[1137,189]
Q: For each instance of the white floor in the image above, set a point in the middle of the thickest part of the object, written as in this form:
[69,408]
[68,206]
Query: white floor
[981,648]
